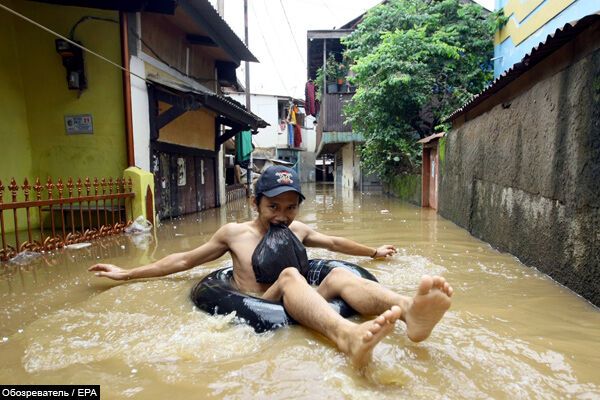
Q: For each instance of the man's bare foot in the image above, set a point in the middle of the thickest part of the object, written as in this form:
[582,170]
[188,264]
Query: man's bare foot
[427,307]
[361,339]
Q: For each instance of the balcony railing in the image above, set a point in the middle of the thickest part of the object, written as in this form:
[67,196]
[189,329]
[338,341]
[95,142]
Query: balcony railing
[333,118]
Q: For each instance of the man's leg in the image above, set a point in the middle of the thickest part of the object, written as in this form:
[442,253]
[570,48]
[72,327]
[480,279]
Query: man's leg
[420,313]
[311,310]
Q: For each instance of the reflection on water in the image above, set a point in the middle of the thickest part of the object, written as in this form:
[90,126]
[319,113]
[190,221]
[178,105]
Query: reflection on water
[511,332]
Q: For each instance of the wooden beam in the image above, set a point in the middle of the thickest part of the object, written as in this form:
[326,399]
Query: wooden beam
[227,135]
[169,116]
[201,40]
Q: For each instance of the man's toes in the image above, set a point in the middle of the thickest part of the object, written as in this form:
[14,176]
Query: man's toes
[374,328]
[396,313]
[388,315]
[438,282]
[425,285]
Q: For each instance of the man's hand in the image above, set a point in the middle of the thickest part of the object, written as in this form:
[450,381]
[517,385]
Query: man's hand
[110,271]
[384,251]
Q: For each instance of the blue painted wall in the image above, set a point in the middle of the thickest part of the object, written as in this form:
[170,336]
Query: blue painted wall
[531,21]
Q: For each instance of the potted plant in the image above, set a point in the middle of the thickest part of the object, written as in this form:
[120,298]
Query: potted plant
[334,72]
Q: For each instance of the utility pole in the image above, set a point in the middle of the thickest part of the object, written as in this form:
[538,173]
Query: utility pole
[247,73]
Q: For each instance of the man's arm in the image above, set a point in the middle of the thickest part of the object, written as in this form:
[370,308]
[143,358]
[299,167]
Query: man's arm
[211,250]
[339,244]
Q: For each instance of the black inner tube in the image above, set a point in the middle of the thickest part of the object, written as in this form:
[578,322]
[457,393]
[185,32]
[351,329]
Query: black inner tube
[215,294]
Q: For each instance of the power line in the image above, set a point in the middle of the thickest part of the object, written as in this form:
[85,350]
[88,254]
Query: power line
[268,50]
[69,40]
[292,32]
[326,6]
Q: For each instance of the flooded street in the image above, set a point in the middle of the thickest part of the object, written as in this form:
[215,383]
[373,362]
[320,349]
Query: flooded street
[511,332]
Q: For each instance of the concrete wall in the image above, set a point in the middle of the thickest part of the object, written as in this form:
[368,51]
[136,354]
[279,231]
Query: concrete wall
[525,175]
[405,187]
[348,168]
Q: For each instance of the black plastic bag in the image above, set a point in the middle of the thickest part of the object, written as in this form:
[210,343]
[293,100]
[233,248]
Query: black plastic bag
[277,250]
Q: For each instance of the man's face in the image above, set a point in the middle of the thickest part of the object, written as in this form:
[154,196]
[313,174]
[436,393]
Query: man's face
[281,209]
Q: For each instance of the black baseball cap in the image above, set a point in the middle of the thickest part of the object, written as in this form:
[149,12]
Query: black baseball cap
[278,179]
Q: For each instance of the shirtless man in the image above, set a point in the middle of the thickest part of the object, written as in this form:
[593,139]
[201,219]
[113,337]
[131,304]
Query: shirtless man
[278,197]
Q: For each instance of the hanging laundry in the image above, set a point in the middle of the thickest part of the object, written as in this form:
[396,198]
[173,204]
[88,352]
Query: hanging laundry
[290,140]
[292,115]
[243,148]
[309,93]
[297,135]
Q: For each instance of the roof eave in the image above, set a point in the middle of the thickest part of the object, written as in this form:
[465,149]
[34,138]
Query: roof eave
[207,17]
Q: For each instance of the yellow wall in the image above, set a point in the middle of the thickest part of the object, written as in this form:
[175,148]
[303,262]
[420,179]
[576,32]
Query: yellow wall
[15,151]
[522,10]
[192,129]
[48,99]
[34,97]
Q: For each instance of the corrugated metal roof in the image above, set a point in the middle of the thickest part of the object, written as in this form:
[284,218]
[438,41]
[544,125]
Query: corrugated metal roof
[217,28]
[552,43]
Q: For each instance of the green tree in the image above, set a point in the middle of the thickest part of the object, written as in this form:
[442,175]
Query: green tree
[415,61]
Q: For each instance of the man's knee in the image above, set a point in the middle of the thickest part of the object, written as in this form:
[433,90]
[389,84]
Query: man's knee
[290,275]
[338,277]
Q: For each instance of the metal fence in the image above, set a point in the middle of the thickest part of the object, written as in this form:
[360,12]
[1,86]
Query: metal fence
[48,216]
[235,192]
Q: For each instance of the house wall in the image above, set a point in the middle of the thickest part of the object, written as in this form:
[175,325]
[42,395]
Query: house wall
[16,158]
[348,166]
[266,108]
[530,22]
[48,99]
[269,138]
[525,174]
[193,129]
[34,98]
[140,115]
[169,41]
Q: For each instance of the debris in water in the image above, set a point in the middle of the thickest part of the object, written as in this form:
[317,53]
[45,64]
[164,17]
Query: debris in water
[77,246]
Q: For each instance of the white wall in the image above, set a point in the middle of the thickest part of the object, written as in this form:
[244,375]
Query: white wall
[140,115]
[264,106]
[348,165]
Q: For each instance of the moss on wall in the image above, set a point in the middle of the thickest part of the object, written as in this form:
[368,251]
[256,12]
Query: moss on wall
[442,153]
[406,187]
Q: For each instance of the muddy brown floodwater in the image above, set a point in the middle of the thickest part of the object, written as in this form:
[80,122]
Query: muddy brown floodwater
[511,333]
